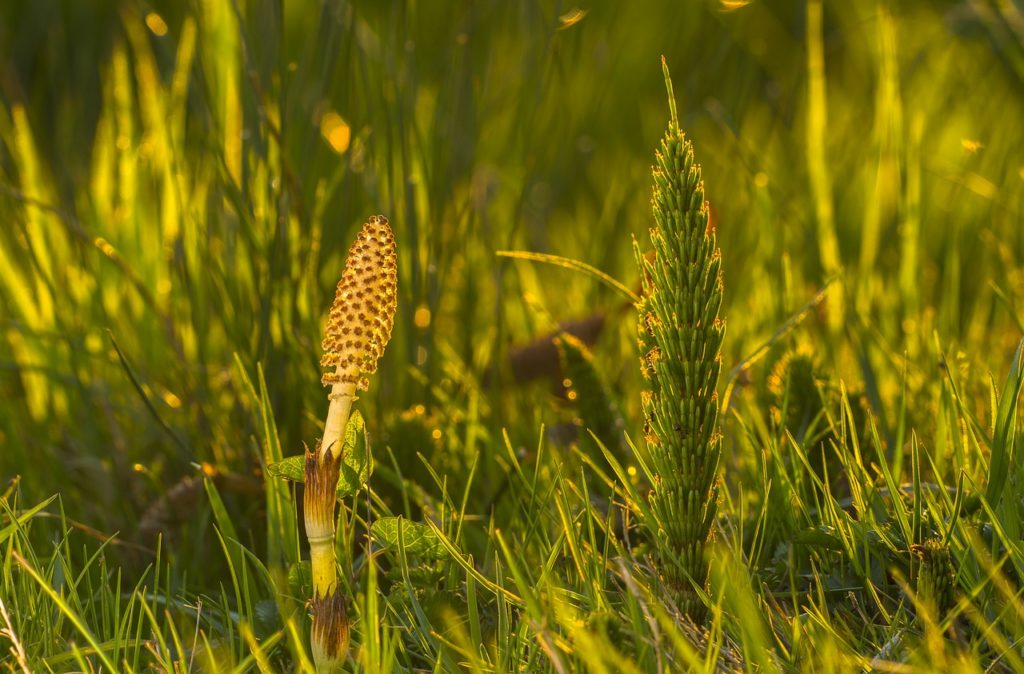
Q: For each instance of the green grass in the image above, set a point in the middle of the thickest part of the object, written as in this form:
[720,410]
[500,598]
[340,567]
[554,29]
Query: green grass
[175,213]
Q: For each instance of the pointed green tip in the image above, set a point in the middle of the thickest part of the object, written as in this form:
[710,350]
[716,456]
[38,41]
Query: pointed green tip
[673,118]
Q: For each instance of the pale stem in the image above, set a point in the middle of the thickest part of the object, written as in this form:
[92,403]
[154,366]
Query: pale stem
[341,398]
[322,562]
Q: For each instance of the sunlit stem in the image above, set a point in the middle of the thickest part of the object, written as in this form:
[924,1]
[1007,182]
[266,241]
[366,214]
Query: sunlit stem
[324,564]
[341,397]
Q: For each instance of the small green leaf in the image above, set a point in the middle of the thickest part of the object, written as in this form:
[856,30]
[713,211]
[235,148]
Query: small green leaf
[356,460]
[290,468]
[300,579]
[418,538]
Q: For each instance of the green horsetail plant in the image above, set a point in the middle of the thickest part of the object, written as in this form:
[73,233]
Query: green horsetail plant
[680,338]
[358,329]
[936,577]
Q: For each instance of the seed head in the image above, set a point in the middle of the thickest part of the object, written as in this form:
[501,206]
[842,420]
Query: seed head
[359,325]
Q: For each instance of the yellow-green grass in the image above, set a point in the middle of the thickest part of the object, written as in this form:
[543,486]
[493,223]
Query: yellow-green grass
[179,183]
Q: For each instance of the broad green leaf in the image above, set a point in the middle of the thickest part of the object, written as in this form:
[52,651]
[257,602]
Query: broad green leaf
[419,538]
[356,460]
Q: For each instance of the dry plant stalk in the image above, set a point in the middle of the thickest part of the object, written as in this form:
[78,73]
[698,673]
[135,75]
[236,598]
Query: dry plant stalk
[358,329]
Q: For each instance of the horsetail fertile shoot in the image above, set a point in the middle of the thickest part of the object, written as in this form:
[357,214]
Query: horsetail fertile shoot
[358,329]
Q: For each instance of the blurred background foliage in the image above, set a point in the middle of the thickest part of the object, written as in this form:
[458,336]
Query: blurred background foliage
[179,182]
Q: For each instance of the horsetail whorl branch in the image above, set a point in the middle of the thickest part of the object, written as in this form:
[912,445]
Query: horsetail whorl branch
[680,338]
[358,329]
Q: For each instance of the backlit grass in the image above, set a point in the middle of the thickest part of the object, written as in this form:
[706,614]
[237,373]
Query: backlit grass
[179,185]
